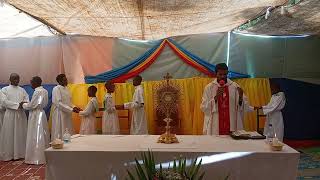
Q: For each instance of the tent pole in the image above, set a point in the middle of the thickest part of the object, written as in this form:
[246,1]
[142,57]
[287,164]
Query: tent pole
[41,20]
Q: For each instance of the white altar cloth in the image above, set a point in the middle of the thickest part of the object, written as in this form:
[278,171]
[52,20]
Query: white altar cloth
[96,157]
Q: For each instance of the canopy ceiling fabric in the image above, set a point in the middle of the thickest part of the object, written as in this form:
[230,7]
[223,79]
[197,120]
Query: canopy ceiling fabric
[144,19]
[16,24]
[303,18]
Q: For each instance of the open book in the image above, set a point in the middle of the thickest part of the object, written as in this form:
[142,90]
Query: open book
[242,134]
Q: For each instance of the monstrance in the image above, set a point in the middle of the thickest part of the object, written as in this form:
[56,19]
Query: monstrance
[167,103]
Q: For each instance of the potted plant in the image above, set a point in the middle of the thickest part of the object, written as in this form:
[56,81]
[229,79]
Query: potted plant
[179,171]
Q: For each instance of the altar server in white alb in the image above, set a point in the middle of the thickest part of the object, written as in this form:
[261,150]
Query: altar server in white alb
[222,104]
[38,133]
[139,120]
[273,111]
[14,128]
[2,109]
[110,121]
[62,109]
[88,118]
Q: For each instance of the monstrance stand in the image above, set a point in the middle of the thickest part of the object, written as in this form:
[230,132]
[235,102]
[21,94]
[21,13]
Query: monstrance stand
[167,104]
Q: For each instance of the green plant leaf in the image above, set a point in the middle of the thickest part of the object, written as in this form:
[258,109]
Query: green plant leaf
[147,170]
[191,168]
[196,170]
[160,173]
[148,165]
[183,169]
[180,168]
[130,175]
[186,175]
[140,171]
[152,163]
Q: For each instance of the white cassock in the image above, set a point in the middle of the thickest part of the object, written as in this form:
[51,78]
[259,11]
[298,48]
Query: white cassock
[2,109]
[139,120]
[274,114]
[246,107]
[38,133]
[14,128]
[210,108]
[62,108]
[88,117]
[110,121]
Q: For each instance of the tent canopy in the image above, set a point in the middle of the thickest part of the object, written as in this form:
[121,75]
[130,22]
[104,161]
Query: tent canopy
[144,19]
[302,18]
[17,24]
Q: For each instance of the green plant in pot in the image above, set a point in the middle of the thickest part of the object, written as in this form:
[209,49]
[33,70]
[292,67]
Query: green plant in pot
[179,171]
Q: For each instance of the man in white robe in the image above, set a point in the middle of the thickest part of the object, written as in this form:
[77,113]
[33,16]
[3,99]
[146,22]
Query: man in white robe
[2,109]
[222,104]
[88,115]
[273,111]
[62,109]
[139,120]
[38,133]
[14,128]
[110,120]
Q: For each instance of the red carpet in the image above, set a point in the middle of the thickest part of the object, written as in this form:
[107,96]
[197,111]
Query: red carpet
[18,170]
[302,143]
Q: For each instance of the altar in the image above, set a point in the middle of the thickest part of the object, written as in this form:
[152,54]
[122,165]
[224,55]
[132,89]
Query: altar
[109,156]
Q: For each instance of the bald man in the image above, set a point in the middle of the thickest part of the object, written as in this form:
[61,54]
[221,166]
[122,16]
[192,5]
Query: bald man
[14,128]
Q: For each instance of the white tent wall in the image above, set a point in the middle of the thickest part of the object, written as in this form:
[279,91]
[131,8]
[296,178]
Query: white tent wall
[29,57]
[48,56]
[294,57]
[77,56]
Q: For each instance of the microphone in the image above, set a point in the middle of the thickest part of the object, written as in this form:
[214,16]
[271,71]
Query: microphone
[222,83]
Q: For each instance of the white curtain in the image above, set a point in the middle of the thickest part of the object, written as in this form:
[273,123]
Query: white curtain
[76,56]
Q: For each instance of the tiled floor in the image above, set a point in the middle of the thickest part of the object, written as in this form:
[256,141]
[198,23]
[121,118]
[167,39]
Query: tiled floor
[309,164]
[18,170]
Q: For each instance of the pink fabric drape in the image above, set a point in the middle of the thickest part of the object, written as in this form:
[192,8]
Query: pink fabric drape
[76,56]
[86,55]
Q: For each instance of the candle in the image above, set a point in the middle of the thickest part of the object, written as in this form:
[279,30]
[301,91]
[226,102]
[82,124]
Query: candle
[275,141]
[283,10]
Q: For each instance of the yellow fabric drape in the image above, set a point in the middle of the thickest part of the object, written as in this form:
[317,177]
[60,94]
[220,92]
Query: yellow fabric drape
[257,90]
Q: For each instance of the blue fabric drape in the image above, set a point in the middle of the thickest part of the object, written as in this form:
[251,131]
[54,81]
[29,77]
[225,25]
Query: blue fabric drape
[30,91]
[206,64]
[109,75]
[301,113]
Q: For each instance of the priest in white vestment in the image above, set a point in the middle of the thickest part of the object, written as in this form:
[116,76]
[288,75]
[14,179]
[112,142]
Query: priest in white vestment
[88,115]
[62,109]
[38,135]
[222,104]
[2,109]
[139,120]
[273,111]
[14,128]
[110,121]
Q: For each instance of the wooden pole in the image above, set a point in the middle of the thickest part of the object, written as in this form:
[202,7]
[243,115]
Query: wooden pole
[41,20]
